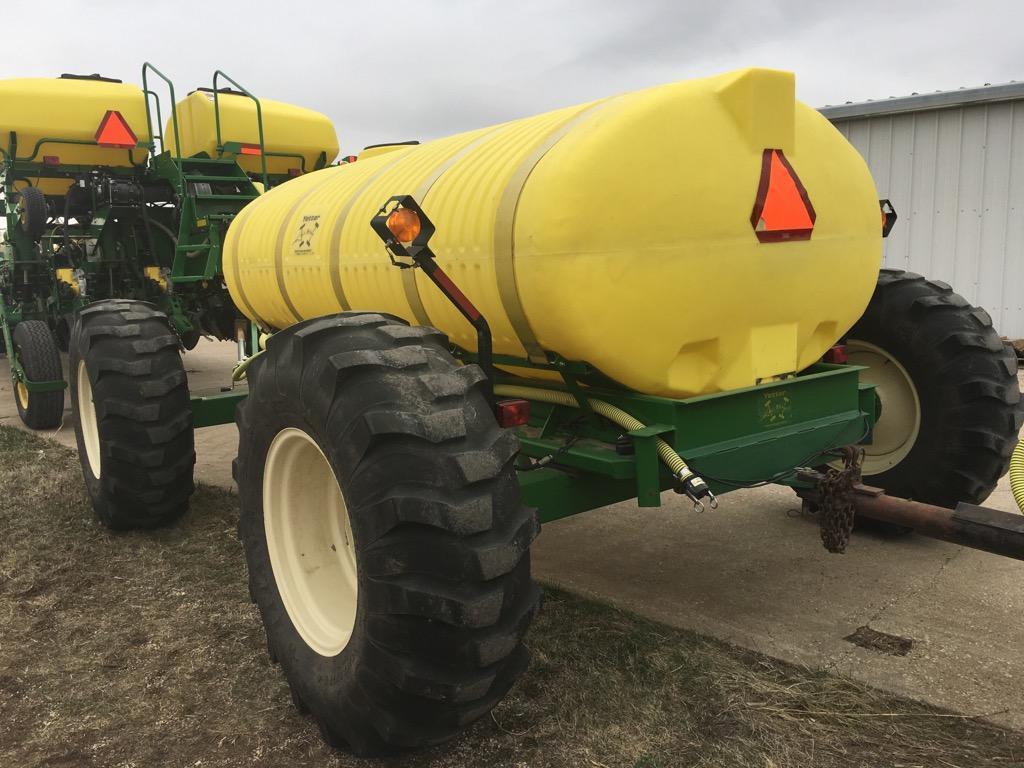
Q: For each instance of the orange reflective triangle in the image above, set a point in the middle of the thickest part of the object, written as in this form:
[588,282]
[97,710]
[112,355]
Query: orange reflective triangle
[115,132]
[782,210]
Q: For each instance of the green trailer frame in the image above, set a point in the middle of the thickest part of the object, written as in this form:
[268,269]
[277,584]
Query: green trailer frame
[735,439]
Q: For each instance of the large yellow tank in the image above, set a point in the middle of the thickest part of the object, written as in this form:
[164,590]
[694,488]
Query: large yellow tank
[286,129]
[69,109]
[620,232]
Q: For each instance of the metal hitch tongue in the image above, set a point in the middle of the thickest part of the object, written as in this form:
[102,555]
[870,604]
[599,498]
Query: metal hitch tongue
[990,530]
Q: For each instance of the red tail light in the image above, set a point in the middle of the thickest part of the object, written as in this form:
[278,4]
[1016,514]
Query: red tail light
[836,356]
[512,413]
[250,149]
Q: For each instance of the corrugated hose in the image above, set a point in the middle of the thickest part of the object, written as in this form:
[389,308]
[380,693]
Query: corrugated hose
[1017,475]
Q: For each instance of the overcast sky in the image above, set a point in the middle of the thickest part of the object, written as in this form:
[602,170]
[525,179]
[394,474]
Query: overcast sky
[402,70]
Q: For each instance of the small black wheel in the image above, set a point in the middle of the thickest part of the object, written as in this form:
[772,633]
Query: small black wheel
[133,416]
[37,350]
[32,212]
[387,544]
[950,401]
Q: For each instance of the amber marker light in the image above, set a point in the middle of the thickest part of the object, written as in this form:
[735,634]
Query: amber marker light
[404,224]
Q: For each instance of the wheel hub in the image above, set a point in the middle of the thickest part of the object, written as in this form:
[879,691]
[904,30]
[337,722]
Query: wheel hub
[309,541]
[898,425]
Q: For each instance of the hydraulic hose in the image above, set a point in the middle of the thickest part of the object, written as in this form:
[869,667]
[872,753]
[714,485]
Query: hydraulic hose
[694,486]
[163,228]
[1017,475]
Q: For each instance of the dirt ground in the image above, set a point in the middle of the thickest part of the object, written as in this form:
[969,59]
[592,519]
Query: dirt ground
[143,650]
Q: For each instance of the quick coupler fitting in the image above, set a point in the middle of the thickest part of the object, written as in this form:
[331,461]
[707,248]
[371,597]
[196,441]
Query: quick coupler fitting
[694,487]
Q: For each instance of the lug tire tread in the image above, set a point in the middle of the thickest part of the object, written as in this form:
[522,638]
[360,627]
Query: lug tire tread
[966,378]
[445,594]
[144,414]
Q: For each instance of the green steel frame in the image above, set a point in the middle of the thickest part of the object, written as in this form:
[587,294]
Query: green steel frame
[732,439]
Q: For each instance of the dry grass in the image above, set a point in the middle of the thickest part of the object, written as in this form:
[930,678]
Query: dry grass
[143,650]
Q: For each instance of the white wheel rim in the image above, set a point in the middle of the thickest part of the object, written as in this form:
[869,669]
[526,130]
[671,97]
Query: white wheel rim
[309,539]
[87,420]
[900,421]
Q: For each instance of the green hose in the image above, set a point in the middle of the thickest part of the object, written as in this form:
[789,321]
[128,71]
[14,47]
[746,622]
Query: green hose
[1017,475]
[672,460]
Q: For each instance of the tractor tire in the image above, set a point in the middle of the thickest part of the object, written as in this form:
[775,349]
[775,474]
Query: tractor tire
[37,350]
[950,401]
[386,541]
[133,416]
[32,213]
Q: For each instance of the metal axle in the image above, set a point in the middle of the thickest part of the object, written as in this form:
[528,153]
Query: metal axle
[989,530]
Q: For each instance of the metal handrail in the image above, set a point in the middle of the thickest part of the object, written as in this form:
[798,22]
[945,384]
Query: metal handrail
[74,142]
[259,119]
[174,113]
[159,121]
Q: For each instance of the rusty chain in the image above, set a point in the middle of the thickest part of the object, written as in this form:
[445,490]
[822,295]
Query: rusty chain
[835,499]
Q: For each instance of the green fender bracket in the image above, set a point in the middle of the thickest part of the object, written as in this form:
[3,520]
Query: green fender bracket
[42,386]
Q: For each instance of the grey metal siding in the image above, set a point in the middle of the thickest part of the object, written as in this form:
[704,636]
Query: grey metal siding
[956,177]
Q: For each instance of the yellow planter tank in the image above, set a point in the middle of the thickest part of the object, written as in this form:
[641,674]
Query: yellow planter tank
[70,109]
[686,239]
[286,129]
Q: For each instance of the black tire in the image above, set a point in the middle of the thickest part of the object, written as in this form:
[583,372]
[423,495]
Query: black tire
[441,537]
[32,213]
[62,334]
[37,350]
[142,414]
[965,377]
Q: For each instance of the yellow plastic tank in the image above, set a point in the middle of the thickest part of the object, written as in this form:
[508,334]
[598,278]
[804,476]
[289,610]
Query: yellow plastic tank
[686,239]
[287,129]
[70,109]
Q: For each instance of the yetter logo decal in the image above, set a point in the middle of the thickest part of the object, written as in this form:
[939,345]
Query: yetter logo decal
[303,242]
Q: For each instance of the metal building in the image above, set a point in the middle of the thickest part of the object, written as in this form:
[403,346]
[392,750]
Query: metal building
[952,162]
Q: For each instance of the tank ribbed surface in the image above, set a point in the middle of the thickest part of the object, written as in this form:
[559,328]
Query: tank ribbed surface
[619,232]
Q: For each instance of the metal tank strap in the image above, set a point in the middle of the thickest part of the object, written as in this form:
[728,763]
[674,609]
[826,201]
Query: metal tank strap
[412,291]
[504,231]
[334,252]
[282,233]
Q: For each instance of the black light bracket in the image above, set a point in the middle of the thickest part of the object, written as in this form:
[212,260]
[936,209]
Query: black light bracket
[417,253]
[888,216]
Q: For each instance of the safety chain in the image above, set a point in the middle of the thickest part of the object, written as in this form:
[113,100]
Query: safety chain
[835,500]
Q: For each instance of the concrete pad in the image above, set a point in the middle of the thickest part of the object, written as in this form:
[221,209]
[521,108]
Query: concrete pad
[754,573]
